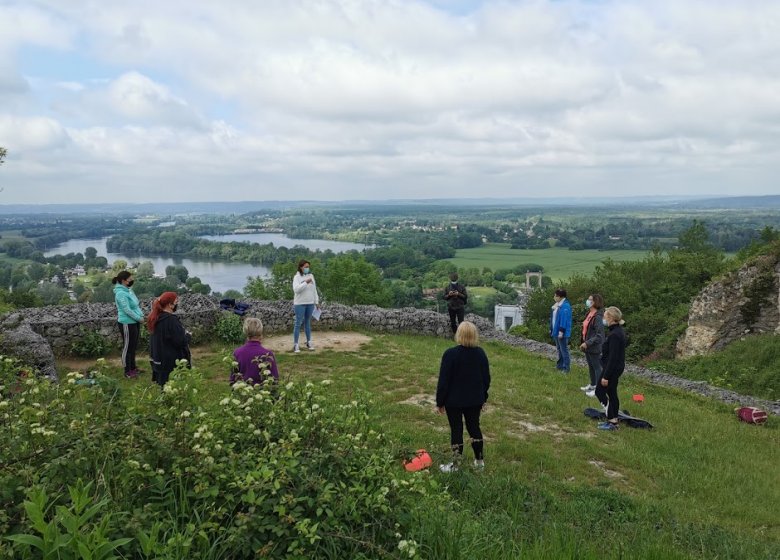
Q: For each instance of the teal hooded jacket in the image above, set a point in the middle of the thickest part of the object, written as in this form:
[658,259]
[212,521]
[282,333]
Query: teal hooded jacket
[127,306]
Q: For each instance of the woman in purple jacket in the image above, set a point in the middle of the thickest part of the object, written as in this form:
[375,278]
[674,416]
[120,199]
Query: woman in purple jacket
[255,363]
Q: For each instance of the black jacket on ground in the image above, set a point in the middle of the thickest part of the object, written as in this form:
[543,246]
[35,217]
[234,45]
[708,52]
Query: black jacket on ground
[456,301]
[464,377]
[613,353]
[169,342]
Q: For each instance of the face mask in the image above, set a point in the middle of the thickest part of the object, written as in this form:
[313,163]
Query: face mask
[589,303]
[453,283]
[305,269]
[606,323]
[130,283]
[175,307]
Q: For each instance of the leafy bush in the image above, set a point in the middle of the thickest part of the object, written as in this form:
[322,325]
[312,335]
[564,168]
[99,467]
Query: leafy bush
[732,369]
[90,344]
[284,475]
[229,328]
[519,330]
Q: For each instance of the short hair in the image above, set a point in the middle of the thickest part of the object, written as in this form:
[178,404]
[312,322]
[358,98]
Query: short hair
[454,276]
[598,301]
[615,313]
[560,292]
[467,334]
[253,327]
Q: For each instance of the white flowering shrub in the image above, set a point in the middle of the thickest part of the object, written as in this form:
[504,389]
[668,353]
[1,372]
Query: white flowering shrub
[260,471]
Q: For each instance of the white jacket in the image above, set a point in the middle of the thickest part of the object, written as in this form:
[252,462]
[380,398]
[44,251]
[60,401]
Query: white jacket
[303,292]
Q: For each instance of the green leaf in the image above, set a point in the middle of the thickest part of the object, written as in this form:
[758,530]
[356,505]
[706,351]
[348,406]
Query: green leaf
[30,540]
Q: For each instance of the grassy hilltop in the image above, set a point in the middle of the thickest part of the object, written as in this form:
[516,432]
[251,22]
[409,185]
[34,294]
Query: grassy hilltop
[700,485]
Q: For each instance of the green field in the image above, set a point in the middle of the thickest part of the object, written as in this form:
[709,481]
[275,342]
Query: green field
[701,485]
[558,263]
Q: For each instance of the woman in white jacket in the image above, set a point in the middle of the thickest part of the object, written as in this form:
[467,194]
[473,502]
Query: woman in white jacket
[305,299]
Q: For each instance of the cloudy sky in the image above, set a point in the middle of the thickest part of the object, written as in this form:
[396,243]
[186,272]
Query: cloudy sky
[170,100]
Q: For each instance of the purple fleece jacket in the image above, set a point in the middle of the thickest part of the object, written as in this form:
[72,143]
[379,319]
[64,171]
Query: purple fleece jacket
[249,356]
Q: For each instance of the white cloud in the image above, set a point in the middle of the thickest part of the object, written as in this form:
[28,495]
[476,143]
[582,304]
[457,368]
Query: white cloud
[350,98]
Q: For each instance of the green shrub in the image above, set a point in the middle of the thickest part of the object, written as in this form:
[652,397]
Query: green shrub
[288,474]
[90,344]
[229,329]
[519,330]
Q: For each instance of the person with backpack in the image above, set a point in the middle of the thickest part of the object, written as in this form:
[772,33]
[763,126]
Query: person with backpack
[613,362]
[560,329]
[129,319]
[168,340]
[456,297]
[592,341]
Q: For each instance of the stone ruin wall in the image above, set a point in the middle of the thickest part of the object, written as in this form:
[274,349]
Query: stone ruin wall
[38,335]
[717,316]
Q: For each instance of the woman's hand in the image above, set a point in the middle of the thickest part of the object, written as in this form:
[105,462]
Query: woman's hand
[583,346]
[604,382]
[440,410]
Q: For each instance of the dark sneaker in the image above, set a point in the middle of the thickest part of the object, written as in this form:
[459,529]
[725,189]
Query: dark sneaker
[608,426]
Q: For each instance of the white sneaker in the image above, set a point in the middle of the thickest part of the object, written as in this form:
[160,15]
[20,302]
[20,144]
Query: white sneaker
[309,345]
[448,468]
[479,464]
[590,393]
[587,388]
[296,348]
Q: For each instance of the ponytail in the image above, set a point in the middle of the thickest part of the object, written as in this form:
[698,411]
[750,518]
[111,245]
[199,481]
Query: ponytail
[166,299]
[121,277]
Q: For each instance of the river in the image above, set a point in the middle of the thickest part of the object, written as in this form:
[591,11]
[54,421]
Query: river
[220,275]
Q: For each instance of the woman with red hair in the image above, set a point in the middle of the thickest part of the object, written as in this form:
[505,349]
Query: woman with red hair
[168,339]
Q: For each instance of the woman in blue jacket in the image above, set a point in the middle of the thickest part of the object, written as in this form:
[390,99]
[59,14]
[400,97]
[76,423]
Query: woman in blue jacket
[129,320]
[560,329]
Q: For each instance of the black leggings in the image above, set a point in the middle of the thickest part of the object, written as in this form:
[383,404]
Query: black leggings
[455,415]
[609,395]
[456,314]
[130,335]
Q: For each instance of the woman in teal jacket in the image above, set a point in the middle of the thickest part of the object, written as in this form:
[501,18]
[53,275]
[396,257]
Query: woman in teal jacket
[129,320]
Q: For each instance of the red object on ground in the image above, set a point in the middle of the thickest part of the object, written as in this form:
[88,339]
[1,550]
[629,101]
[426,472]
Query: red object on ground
[639,398]
[751,415]
[421,461]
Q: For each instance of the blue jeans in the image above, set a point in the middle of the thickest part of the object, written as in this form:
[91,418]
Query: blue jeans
[303,315]
[564,361]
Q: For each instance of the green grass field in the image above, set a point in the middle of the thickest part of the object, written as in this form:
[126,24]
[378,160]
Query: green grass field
[700,485]
[558,263]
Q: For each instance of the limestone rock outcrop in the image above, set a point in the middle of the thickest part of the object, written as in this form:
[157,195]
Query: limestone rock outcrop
[746,301]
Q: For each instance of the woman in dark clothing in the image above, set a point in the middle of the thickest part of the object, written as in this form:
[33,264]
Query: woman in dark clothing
[592,341]
[168,339]
[464,380]
[613,361]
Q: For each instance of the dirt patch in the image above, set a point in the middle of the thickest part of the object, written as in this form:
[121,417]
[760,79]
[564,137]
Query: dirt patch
[603,468]
[324,340]
[556,431]
[424,400]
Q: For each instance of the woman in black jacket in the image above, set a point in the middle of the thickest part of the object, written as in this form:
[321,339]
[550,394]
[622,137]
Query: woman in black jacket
[168,340]
[464,380]
[613,361]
